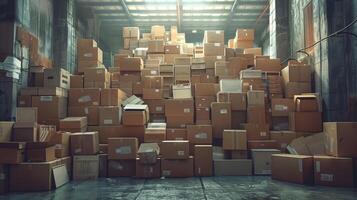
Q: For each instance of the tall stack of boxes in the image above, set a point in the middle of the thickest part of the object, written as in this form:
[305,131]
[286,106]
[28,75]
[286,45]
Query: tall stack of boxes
[89,55]
[213,49]
[131,37]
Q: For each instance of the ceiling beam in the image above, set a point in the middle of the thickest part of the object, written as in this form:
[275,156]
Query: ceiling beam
[231,14]
[126,10]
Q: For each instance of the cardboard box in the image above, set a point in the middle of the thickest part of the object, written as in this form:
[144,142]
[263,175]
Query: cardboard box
[148,153]
[231,85]
[176,134]
[332,171]
[214,36]
[221,118]
[148,171]
[282,107]
[206,89]
[211,60]
[237,167]
[24,101]
[244,44]
[213,49]
[85,167]
[262,160]
[50,107]
[306,103]
[177,168]
[73,124]
[199,134]
[90,54]
[262,144]
[153,82]
[121,168]
[131,32]
[122,148]
[156,106]
[96,74]
[26,115]
[182,91]
[112,97]
[133,131]
[57,78]
[257,131]
[238,100]
[245,34]
[297,73]
[340,138]
[25,132]
[152,94]
[86,43]
[91,112]
[84,97]
[61,141]
[234,140]
[268,65]
[179,107]
[305,122]
[77,81]
[132,64]
[40,152]
[292,168]
[238,119]
[204,101]
[256,115]
[172,49]
[53,91]
[255,51]
[203,114]
[84,143]
[6,131]
[155,133]
[296,88]
[156,46]
[175,149]
[283,138]
[256,98]
[110,115]
[203,160]
[12,152]
[135,115]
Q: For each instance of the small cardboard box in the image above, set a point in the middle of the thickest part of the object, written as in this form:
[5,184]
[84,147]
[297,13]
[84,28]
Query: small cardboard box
[297,73]
[148,171]
[84,143]
[153,82]
[110,115]
[50,107]
[135,115]
[96,74]
[307,103]
[340,138]
[73,124]
[121,168]
[40,152]
[155,133]
[175,149]
[257,115]
[122,148]
[238,100]
[237,167]
[177,168]
[176,134]
[262,160]
[203,160]
[282,107]
[234,140]
[199,134]
[292,168]
[152,94]
[12,152]
[333,171]
[221,118]
[305,122]
[148,153]
[85,167]
[156,106]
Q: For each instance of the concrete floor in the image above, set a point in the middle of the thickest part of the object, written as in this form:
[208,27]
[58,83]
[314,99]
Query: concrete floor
[221,188]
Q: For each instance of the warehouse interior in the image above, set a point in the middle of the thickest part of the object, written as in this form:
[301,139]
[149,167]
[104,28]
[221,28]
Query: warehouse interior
[180,99]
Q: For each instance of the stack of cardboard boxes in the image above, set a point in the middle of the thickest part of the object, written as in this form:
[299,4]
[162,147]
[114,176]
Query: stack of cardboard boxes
[89,55]
[131,37]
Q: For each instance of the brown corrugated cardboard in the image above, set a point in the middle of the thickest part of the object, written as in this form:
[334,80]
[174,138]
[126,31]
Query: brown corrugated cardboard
[56,78]
[91,112]
[156,106]
[106,132]
[133,131]
[204,102]
[340,138]
[176,134]
[26,114]
[12,152]
[296,88]
[238,119]
[238,100]
[121,168]
[6,131]
[244,44]
[77,81]
[132,64]
[292,168]
[255,98]
[148,153]
[203,114]
[172,49]
[152,94]
[237,167]
[155,134]
[283,138]
[305,121]
[306,103]
[131,32]
[297,73]
[112,97]
[262,144]
[262,160]
[92,54]
[332,171]
[203,160]
[206,89]
[73,124]
[269,65]
[110,115]
[211,60]
[177,168]
[179,107]
[24,101]
[61,141]
[122,148]
[156,46]
[255,51]
[213,49]
[50,107]
[182,91]
[25,132]
[245,34]
[40,152]
[84,97]
[135,115]
[234,140]
[256,114]
[85,167]
[257,131]
[214,36]
[175,149]
[221,118]
[282,107]
[199,134]
[84,143]
[148,171]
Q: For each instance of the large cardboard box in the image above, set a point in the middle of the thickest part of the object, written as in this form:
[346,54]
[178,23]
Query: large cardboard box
[175,149]
[84,143]
[333,171]
[230,85]
[156,46]
[25,132]
[296,88]
[61,141]
[211,60]
[6,131]
[213,49]
[148,171]
[50,107]
[340,138]
[154,82]
[57,78]
[26,114]
[96,74]
[40,152]
[132,64]
[206,89]
[203,160]
[305,122]
[12,152]
[214,36]
[234,140]
[181,91]
[297,73]
[236,167]
[148,153]
[112,97]
[73,124]
[155,133]
[131,32]
[156,106]
[177,168]
[121,168]
[239,118]
[135,115]
[176,134]
[268,65]
[77,81]
[91,112]
[84,97]
[257,115]
[152,94]
[85,167]
[262,160]
[283,138]
[282,107]
[24,101]
[172,49]
[221,118]
[199,134]
[204,102]
[179,107]
[110,115]
[257,131]
[90,54]
[238,100]
[292,168]
[307,103]
[256,98]
[245,34]
[122,148]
